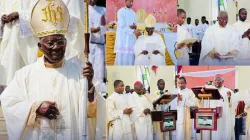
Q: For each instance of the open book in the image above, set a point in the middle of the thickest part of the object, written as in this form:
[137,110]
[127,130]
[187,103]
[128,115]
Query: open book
[226,56]
[188,40]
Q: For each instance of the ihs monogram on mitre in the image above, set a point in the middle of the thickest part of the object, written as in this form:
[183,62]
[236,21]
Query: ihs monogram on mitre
[52,13]
[50,17]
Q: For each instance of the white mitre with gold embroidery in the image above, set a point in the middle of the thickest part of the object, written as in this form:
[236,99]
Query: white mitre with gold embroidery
[50,17]
[150,21]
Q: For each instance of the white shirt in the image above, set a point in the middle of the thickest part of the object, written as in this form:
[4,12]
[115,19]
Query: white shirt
[202,28]
[190,29]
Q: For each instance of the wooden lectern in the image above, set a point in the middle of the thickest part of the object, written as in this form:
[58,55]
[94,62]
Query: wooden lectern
[167,119]
[206,118]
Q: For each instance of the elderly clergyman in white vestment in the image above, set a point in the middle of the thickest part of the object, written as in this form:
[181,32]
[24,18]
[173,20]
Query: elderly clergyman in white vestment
[220,43]
[140,117]
[150,49]
[126,35]
[225,124]
[118,114]
[19,45]
[243,29]
[44,100]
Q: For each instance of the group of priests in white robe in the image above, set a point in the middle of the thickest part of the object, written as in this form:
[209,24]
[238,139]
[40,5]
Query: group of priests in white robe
[222,43]
[129,116]
[133,47]
[25,30]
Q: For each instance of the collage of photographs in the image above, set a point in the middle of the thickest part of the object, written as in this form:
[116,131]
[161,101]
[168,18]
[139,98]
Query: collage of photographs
[124,70]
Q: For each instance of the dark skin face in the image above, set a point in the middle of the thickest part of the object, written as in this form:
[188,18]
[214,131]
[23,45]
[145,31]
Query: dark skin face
[181,18]
[196,22]
[127,89]
[218,82]
[243,15]
[129,3]
[56,53]
[119,88]
[223,19]
[188,21]
[92,2]
[150,31]
[203,20]
[161,85]
[139,89]
[181,84]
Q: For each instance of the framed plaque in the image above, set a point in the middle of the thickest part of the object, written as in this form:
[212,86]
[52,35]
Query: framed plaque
[169,122]
[205,121]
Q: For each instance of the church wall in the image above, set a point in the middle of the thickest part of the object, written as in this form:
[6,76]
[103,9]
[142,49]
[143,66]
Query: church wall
[167,73]
[126,74]
[243,80]
[196,8]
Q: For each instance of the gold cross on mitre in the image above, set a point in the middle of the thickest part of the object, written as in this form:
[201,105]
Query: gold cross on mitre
[50,17]
[150,21]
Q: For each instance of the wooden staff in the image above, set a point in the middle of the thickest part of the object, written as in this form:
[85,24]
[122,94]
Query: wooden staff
[86,54]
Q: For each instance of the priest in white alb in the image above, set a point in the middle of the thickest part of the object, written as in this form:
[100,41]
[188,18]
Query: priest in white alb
[18,45]
[118,112]
[141,118]
[225,124]
[185,100]
[220,43]
[150,49]
[45,99]
[182,51]
[243,29]
[97,40]
[126,35]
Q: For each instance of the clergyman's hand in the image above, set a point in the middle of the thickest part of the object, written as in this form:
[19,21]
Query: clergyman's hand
[133,26]
[179,97]
[88,71]
[5,19]
[180,45]
[144,52]
[48,109]
[216,55]
[127,111]
[155,52]
[137,33]
[190,45]
[146,111]
[13,16]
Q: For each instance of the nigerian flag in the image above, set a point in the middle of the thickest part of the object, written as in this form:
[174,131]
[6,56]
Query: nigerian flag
[222,5]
